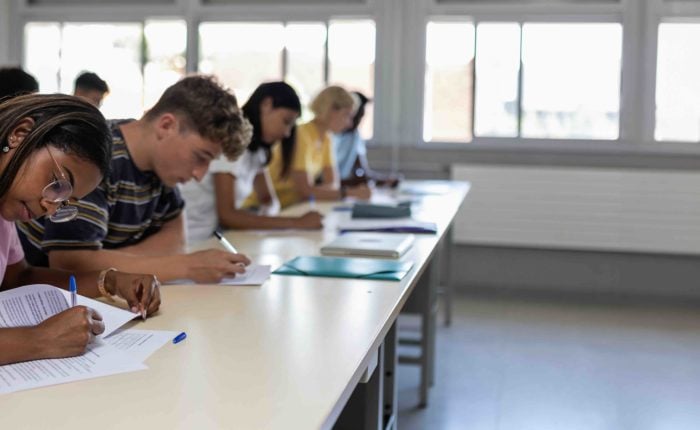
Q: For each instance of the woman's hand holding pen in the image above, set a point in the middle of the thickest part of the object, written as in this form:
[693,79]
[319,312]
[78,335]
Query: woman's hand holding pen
[67,333]
[141,292]
[212,265]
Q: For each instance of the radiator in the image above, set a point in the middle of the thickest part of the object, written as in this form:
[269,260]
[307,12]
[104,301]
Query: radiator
[633,210]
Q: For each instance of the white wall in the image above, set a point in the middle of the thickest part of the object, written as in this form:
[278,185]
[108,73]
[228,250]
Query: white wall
[4,32]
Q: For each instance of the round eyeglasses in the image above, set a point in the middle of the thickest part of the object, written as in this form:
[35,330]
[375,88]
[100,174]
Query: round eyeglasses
[59,191]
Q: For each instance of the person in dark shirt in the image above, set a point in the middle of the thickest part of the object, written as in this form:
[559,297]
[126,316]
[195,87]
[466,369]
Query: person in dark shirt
[15,82]
[91,87]
[134,220]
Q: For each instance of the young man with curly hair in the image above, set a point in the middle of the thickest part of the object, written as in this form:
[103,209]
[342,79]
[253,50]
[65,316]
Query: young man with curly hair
[134,220]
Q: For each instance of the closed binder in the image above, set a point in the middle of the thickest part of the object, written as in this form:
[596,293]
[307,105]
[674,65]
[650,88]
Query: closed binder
[340,267]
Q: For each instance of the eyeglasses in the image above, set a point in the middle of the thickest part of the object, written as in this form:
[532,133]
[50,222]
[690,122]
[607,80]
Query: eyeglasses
[59,191]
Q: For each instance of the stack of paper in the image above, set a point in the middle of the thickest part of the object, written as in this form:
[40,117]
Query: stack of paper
[32,304]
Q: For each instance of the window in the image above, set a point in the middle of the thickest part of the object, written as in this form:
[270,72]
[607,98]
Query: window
[137,60]
[571,80]
[351,61]
[242,66]
[533,80]
[678,82]
[448,82]
[307,55]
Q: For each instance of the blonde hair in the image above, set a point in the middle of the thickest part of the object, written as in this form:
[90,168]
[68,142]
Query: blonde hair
[331,98]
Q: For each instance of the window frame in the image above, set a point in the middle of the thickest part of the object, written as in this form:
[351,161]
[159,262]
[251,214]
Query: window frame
[400,56]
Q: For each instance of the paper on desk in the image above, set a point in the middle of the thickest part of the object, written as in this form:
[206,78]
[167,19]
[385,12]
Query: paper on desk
[99,360]
[255,274]
[112,316]
[31,304]
[139,344]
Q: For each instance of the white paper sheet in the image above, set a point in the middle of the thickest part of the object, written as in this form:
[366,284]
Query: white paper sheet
[112,316]
[255,274]
[140,344]
[31,304]
[99,360]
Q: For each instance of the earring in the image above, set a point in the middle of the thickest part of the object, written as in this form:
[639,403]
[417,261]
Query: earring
[5,149]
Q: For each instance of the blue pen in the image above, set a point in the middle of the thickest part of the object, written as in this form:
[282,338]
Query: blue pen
[312,202]
[180,337]
[73,288]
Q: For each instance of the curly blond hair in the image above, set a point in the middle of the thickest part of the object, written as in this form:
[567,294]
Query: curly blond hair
[205,106]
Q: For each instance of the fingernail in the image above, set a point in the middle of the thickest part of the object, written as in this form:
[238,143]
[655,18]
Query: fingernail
[134,309]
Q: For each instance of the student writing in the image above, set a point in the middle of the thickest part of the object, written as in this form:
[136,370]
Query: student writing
[133,221]
[217,199]
[55,149]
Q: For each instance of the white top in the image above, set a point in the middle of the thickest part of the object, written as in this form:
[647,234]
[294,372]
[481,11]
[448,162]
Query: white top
[200,197]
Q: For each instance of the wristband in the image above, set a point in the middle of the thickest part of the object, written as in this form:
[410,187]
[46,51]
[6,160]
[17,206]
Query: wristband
[101,284]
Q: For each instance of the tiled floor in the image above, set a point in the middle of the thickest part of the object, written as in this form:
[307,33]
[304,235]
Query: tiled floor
[516,363]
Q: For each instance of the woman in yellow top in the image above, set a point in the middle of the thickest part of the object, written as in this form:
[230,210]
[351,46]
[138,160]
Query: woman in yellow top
[308,169]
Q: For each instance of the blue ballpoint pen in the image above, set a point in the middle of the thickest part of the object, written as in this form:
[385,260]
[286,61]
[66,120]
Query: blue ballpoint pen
[73,288]
[312,202]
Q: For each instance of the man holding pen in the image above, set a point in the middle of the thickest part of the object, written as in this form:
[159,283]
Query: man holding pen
[134,220]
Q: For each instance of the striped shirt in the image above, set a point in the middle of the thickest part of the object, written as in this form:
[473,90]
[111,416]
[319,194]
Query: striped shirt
[127,207]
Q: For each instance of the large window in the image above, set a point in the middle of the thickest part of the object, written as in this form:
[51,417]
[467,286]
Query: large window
[534,80]
[308,55]
[137,60]
[678,82]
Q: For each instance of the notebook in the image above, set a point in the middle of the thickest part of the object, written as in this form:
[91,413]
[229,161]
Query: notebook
[340,267]
[386,245]
[370,210]
[402,225]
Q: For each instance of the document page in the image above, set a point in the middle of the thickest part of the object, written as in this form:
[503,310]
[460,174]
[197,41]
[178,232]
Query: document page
[140,344]
[29,305]
[255,274]
[99,360]
[113,316]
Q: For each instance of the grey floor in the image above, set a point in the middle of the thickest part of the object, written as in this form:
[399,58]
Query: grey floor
[519,363]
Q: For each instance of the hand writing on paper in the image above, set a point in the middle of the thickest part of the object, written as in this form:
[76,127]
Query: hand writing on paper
[212,265]
[310,220]
[68,333]
[141,292]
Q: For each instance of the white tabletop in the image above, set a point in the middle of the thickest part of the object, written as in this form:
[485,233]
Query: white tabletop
[283,355]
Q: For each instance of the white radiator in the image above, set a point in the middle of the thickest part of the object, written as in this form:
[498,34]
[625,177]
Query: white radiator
[635,210]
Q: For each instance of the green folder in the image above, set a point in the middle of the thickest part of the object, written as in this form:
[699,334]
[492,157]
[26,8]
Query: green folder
[341,267]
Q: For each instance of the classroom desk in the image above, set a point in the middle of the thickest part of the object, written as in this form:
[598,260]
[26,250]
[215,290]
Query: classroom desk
[285,355]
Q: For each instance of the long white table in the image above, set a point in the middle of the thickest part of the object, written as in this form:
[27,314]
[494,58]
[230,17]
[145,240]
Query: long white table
[285,355]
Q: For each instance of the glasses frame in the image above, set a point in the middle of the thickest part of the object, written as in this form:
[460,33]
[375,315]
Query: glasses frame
[64,212]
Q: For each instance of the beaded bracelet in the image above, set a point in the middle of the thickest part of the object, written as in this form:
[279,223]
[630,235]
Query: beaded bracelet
[101,284]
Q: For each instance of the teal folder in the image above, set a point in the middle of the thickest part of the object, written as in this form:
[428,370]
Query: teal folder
[341,267]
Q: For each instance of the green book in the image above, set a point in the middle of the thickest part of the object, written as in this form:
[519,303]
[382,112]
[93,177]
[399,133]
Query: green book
[341,267]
